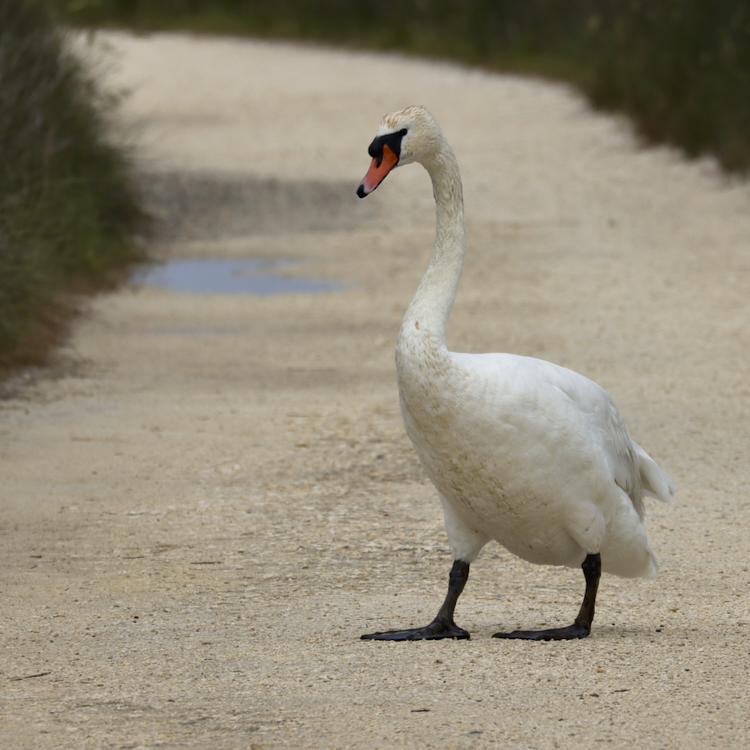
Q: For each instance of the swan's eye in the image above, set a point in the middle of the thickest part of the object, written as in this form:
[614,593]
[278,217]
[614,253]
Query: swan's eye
[392,140]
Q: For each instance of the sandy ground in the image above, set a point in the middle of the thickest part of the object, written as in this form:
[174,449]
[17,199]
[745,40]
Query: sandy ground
[207,499]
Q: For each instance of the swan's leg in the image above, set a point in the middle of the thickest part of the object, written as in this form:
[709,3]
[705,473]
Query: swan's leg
[592,570]
[443,625]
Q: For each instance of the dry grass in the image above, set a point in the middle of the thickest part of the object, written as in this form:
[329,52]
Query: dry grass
[68,207]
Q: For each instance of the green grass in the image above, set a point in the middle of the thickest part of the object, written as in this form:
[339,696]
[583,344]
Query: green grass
[68,206]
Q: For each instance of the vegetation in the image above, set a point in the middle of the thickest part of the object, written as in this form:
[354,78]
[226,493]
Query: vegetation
[68,208]
[679,68]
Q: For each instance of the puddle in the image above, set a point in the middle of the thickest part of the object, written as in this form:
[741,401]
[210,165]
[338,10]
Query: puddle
[230,277]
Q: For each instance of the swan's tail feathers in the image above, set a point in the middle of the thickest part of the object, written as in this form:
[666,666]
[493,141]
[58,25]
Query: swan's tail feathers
[653,480]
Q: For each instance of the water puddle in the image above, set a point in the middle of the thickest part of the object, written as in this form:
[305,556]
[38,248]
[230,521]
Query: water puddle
[245,276]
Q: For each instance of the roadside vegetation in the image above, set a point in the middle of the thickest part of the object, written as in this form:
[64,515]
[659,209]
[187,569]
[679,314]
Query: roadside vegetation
[68,205]
[679,68]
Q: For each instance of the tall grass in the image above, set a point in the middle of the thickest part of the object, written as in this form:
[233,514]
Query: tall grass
[679,68]
[682,70]
[68,208]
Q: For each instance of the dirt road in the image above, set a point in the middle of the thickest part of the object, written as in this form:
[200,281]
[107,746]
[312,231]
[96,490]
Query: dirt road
[208,498]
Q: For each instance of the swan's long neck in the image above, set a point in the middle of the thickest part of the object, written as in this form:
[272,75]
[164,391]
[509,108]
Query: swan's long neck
[426,319]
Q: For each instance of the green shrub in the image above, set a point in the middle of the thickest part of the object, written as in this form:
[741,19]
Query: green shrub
[681,69]
[68,207]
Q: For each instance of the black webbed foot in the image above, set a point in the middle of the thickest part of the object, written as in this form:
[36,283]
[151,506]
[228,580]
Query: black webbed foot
[436,630]
[569,633]
[443,626]
[581,627]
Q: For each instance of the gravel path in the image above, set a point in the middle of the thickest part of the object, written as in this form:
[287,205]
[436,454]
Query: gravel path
[208,498]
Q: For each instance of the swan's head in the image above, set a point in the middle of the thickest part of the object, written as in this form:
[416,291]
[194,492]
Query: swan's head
[403,137]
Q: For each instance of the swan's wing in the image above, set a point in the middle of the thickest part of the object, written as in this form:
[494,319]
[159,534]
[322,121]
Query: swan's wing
[632,469]
[606,428]
[584,407]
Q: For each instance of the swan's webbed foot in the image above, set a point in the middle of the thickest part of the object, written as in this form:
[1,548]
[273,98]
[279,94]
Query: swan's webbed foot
[569,633]
[443,626]
[437,629]
[581,627]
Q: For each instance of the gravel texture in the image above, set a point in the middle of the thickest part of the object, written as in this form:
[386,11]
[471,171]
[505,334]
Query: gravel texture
[208,498]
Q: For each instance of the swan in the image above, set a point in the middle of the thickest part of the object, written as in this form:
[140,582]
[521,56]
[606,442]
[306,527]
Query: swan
[522,451]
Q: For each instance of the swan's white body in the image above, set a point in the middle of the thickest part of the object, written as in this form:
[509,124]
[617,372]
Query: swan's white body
[529,454]
[521,451]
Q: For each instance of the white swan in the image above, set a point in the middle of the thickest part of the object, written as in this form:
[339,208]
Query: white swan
[520,450]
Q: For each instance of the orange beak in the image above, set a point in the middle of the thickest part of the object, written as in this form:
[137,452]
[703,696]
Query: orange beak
[378,171]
